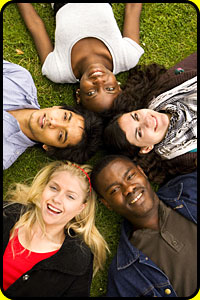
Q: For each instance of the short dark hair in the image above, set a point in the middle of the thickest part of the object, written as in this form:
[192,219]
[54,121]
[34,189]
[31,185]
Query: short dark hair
[115,139]
[101,164]
[91,139]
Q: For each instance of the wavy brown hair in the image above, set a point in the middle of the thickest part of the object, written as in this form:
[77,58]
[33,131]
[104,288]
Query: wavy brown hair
[143,84]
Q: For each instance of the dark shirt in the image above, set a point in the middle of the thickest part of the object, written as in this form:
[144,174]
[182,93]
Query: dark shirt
[168,248]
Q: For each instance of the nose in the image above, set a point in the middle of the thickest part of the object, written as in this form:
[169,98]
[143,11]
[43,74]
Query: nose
[55,123]
[58,197]
[99,79]
[128,189]
[148,122]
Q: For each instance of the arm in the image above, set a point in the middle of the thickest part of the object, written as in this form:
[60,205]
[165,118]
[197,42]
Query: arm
[132,21]
[37,29]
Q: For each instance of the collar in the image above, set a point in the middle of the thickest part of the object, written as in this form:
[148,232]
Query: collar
[127,254]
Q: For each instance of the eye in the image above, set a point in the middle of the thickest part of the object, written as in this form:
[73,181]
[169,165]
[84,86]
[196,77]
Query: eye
[71,197]
[91,93]
[110,89]
[136,116]
[129,177]
[139,133]
[70,116]
[60,135]
[53,188]
[114,190]
[65,116]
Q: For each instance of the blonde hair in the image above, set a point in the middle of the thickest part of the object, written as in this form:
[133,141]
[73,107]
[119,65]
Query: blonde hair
[82,224]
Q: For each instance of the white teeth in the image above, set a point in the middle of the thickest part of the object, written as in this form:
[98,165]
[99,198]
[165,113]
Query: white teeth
[137,198]
[155,127]
[97,73]
[53,209]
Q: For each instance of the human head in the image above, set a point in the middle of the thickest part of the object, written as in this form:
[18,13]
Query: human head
[89,138]
[56,126]
[115,139]
[42,179]
[123,187]
[142,128]
[98,88]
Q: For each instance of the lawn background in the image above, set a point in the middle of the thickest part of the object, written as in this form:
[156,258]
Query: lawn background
[168,33]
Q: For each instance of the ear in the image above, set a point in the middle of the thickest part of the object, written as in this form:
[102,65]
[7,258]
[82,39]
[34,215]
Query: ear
[145,150]
[78,99]
[105,203]
[46,148]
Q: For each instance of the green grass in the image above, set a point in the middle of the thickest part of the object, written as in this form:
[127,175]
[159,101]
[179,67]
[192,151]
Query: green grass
[168,34]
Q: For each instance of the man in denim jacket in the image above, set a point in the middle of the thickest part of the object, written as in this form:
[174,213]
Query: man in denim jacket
[157,251]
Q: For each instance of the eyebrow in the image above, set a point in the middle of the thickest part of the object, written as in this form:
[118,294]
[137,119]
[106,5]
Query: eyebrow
[136,130]
[115,183]
[70,116]
[66,133]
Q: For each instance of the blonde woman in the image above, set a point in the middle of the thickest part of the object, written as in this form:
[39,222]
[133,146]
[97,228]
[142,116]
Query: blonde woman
[52,247]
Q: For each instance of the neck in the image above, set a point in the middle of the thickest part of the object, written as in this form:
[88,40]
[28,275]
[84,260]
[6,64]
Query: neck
[149,220]
[23,117]
[53,233]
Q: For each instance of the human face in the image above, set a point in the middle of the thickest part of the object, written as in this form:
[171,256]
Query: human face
[56,127]
[62,199]
[98,88]
[144,127]
[125,188]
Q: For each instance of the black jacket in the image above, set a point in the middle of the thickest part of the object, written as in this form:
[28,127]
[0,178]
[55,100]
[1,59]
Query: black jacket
[68,273]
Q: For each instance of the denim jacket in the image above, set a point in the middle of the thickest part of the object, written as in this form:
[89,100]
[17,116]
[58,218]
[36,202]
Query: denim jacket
[131,273]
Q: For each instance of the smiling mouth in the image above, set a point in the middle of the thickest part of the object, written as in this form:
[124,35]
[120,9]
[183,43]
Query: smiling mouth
[137,198]
[53,209]
[96,73]
[42,121]
[156,123]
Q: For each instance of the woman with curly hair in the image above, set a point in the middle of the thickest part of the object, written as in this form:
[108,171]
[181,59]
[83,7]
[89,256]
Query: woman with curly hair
[89,48]
[51,245]
[155,116]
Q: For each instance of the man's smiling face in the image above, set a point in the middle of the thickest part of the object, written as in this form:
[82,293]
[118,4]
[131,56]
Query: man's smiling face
[125,188]
[56,127]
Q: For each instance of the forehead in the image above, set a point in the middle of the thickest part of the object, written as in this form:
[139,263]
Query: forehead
[114,171]
[67,179]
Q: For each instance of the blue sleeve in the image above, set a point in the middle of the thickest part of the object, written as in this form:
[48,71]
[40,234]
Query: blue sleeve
[180,193]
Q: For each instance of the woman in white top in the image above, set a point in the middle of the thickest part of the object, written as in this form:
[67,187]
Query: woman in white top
[89,48]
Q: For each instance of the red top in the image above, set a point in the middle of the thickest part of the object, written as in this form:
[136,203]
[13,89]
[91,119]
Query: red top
[13,268]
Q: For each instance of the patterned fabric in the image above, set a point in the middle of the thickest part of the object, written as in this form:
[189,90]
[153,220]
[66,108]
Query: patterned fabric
[181,103]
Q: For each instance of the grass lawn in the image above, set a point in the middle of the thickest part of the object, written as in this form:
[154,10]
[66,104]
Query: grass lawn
[168,34]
